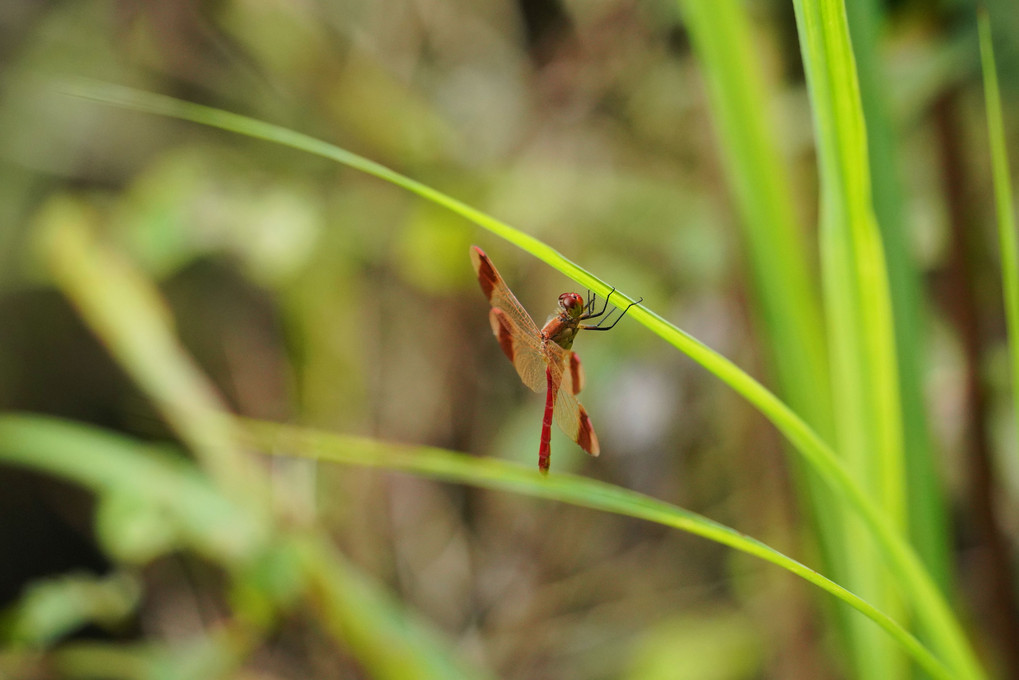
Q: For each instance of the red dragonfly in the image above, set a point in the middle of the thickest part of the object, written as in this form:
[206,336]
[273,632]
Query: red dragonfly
[543,357]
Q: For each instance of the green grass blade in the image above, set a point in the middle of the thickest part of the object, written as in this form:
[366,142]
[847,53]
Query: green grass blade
[927,514]
[856,288]
[929,604]
[779,257]
[1003,201]
[788,307]
[503,476]
[158,104]
[858,305]
[105,462]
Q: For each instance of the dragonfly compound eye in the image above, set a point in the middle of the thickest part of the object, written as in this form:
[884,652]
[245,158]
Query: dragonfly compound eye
[571,301]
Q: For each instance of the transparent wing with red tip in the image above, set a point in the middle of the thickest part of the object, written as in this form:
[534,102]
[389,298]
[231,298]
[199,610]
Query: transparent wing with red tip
[521,341]
[565,377]
[570,415]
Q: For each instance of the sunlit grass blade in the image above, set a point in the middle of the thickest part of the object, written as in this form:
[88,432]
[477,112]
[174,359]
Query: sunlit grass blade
[858,307]
[925,502]
[105,462]
[929,604]
[1007,240]
[149,102]
[927,601]
[504,476]
[779,255]
[788,309]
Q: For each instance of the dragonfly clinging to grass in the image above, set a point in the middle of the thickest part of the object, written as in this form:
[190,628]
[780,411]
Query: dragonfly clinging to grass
[544,357]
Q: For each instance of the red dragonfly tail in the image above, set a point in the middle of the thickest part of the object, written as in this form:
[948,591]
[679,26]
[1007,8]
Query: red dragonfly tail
[545,449]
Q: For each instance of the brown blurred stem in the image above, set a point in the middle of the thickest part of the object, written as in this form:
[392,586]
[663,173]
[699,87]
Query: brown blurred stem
[996,599]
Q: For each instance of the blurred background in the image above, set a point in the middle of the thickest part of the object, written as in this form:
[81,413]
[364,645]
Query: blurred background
[315,295]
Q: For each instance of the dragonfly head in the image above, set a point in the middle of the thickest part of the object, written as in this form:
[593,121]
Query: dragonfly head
[572,304]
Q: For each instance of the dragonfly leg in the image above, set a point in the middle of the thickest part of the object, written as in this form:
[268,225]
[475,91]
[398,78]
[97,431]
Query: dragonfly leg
[590,305]
[599,327]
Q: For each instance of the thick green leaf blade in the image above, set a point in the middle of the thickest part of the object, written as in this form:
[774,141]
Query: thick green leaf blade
[788,305]
[777,251]
[858,307]
[1007,239]
[926,505]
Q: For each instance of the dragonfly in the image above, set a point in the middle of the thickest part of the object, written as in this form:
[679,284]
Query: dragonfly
[544,357]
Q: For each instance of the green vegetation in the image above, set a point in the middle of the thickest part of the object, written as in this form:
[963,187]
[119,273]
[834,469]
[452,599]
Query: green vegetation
[223,267]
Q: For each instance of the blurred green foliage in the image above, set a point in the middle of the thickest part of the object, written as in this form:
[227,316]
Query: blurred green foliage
[669,152]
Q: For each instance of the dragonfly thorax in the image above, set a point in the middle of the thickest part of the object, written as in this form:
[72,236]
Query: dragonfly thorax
[562,326]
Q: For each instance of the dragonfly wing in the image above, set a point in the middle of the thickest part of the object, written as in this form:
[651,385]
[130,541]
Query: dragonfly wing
[523,350]
[575,374]
[570,415]
[500,296]
[518,335]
